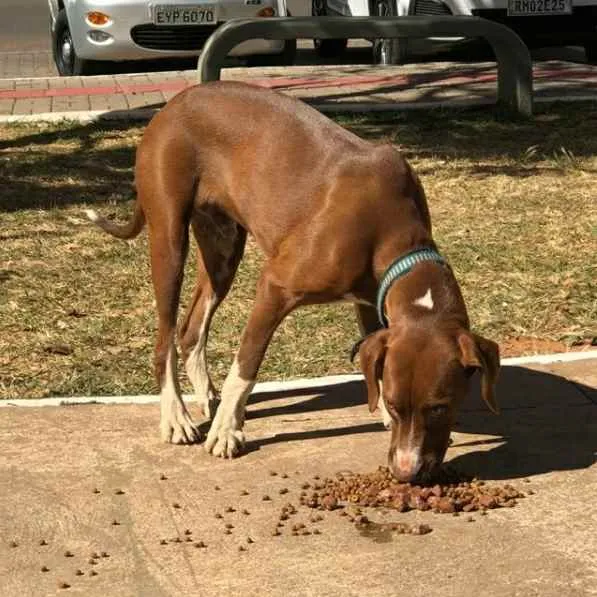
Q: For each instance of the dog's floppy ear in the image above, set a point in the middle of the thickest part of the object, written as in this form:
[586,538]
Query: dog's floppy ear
[372,352]
[482,354]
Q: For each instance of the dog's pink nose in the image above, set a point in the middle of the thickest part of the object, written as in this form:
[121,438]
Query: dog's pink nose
[405,466]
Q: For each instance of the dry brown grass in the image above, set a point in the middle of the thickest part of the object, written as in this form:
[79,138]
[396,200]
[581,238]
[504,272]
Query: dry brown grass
[514,212]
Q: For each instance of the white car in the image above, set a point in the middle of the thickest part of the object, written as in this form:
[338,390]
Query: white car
[88,34]
[537,22]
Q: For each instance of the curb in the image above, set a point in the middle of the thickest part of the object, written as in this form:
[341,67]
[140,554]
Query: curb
[280,386]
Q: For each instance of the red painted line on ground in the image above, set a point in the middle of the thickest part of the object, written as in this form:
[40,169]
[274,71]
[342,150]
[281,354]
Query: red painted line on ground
[293,83]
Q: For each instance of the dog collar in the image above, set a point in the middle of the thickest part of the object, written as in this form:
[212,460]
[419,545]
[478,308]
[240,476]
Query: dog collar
[400,268]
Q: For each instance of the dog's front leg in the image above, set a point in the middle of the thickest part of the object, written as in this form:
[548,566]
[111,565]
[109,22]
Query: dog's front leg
[272,304]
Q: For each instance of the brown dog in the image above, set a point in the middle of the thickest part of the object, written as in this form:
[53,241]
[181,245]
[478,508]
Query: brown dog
[331,212]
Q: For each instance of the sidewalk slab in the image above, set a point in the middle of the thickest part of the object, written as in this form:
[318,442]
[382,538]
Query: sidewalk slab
[342,87]
[53,458]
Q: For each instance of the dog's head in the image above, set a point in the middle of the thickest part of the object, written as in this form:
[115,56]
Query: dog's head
[422,375]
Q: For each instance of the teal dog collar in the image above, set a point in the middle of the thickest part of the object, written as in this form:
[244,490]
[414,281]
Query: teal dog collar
[400,268]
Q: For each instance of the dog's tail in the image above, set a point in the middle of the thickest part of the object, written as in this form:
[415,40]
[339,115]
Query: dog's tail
[125,231]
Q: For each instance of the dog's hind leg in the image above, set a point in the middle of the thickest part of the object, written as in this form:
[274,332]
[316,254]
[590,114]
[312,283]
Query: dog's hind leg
[221,244]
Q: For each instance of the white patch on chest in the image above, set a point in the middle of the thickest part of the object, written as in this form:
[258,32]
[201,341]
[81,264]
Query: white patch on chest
[425,301]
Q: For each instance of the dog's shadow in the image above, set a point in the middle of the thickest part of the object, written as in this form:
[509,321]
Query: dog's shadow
[547,423]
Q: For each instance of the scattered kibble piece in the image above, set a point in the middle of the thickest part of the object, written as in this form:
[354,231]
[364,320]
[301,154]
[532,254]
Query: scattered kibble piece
[79,573]
[63,585]
[227,532]
[45,569]
[230,509]
[229,525]
[266,498]
[92,573]
[244,492]
[14,544]
[283,490]
[246,512]
[273,473]
[176,505]
[43,542]
[188,532]
[105,554]
[163,477]
[119,492]
[249,540]
[68,554]
[115,523]
[163,542]
[199,544]
[217,488]
[96,490]
[92,561]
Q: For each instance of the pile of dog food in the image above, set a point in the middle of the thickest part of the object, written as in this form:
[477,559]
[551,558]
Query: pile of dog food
[448,495]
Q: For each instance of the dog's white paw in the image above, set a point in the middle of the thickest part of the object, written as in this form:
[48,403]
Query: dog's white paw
[224,441]
[386,418]
[179,428]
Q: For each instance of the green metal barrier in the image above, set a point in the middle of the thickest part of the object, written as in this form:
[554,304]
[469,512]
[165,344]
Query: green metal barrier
[515,78]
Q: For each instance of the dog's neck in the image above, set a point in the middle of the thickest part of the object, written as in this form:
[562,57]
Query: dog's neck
[429,290]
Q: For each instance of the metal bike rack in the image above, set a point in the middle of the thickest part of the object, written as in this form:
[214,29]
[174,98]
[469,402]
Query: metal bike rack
[515,78]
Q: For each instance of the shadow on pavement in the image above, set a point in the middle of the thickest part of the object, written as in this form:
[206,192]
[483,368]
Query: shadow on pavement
[547,424]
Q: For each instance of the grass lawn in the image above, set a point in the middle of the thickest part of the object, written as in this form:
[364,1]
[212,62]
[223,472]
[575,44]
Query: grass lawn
[514,208]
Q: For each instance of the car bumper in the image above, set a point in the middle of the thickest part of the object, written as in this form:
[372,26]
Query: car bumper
[133,36]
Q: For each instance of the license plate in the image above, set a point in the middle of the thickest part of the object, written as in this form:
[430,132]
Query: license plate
[529,8]
[168,14]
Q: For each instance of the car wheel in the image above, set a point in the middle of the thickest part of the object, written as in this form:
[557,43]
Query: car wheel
[65,56]
[326,48]
[387,51]
[591,52]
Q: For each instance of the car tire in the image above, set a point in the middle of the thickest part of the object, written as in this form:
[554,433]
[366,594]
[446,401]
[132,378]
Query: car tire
[67,62]
[591,52]
[326,48]
[387,51]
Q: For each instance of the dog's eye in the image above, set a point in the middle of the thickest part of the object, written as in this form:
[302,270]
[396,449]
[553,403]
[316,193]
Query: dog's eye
[438,410]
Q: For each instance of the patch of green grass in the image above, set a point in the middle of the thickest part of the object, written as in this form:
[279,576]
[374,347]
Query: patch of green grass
[514,208]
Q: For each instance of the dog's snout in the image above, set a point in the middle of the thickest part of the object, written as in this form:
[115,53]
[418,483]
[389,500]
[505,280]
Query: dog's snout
[405,465]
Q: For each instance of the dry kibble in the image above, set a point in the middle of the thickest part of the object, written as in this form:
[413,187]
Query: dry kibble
[229,525]
[105,554]
[246,512]
[284,476]
[92,573]
[162,542]
[244,492]
[230,509]
[249,540]
[273,473]
[79,573]
[93,562]
[119,492]
[266,498]
[217,488]
[163,477]
[95,555]
[189,539]
[199,544]
[68,554]
[316,532]
[276,533]
[45,569]
[283,491]
[227,532]
[176,505]
[63,585]
[43,542]
[96,490]
[115,523]
[242,548]
[218,515]
[14,544]
[188,532]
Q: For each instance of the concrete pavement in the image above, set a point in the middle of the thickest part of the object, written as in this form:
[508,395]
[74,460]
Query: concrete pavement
[54,460]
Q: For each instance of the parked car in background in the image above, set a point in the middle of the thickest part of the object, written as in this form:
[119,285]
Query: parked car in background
[88,35]
[538,22]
